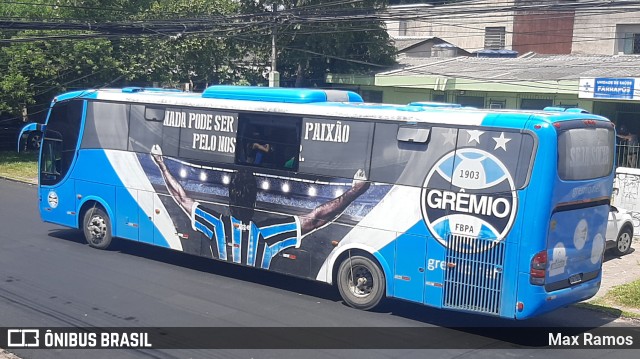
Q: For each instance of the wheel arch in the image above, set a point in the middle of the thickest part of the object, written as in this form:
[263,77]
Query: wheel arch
[87,203]
[625,226]
[365,251]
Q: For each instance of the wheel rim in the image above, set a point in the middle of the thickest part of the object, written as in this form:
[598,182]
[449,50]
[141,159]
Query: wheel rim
[360,281]
[35,142]
[624,241]
[97,227]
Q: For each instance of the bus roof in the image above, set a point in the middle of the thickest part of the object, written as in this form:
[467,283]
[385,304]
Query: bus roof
[314,102]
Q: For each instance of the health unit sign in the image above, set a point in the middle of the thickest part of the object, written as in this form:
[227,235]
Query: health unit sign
[609,88]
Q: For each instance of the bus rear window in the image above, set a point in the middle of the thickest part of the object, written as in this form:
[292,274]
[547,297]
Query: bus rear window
[585,153]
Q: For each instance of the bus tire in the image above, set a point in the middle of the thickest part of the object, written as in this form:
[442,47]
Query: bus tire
[97,228]
[623,242]
[360,282]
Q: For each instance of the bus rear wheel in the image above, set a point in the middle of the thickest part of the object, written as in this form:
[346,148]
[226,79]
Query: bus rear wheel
[360,282]
[97,228]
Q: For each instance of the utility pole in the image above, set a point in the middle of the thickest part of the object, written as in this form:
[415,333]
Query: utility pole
[274,75]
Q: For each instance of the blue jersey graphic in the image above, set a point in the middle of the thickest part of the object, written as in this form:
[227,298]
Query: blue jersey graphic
[246,243]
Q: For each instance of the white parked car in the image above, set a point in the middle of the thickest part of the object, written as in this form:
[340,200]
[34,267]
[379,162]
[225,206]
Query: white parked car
[619,231]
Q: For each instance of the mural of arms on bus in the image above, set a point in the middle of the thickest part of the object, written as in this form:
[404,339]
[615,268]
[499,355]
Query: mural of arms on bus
[329,211]
[175,189]
[243,193]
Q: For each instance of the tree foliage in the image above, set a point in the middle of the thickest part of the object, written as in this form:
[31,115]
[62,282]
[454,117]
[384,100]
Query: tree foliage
[196,58]
[309,50]
[35,71]
[309,45]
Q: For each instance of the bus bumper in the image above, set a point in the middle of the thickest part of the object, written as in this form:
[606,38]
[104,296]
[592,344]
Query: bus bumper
[536,300]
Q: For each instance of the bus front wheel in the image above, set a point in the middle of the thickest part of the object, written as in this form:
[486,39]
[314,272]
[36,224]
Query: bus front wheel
[360,282]
[97,228]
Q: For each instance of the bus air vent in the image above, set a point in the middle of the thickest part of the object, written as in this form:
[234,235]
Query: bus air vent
[565,109]
[277,94]
[474,283]
[147,89]
[435,104]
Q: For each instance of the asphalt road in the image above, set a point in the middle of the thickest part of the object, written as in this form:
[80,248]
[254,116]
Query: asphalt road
[50,278]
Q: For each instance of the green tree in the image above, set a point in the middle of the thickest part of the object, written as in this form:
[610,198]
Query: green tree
[35,71]
[199,58]
[231,46]
[35,68]
[317,37]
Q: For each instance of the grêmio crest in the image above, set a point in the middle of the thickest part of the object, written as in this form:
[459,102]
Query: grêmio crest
[470,193]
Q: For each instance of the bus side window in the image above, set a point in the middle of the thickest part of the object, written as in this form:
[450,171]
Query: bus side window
[154,114]
[336,147]
[413,134]
[268,141]
[405,153]
[144,131]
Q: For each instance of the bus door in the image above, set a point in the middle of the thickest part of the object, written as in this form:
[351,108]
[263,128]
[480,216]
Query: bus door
[403,156]
[146,227]
[59,147]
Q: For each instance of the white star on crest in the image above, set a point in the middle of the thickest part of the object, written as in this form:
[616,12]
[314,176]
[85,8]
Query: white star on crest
[474,135]
[501,142]
[449,137]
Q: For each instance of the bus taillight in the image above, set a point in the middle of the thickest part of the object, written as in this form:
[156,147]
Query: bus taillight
[537,272]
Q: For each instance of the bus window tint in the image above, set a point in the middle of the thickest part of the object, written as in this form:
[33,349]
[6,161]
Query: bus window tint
[61,137]
[268,141]
[51,158]
[585,153]
[143,133]
[336,148]
[154,114]
[413,133]
[408,163]
[106,126]
[487,158]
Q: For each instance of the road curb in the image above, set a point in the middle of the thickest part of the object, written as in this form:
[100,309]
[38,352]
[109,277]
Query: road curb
[19,180]
[6,355]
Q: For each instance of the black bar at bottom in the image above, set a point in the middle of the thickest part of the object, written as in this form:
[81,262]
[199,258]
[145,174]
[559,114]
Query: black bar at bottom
[322,338]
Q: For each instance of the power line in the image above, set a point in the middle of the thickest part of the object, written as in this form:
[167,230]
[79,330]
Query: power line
[162,31]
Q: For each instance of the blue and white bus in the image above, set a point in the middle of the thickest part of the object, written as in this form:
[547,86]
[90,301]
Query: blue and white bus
[500,213]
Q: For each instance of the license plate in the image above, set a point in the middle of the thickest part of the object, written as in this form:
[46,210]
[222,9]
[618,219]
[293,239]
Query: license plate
[576,278]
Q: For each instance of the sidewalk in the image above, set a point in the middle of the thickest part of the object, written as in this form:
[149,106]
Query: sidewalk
[6,355]
[620,270]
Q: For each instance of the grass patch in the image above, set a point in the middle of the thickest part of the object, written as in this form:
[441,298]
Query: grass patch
[627,295]
[20,166]
[620,301]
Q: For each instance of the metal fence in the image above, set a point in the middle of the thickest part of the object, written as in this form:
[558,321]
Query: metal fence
[627,156]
